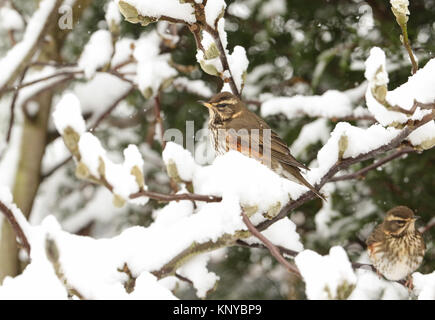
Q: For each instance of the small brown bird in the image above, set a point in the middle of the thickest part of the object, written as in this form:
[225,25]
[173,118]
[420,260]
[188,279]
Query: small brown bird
[395,246]
[233,127]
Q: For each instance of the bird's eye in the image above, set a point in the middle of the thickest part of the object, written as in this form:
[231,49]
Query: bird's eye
[400,223]
[221,106]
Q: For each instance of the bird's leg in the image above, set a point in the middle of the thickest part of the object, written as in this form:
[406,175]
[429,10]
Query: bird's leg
[378,273]
[409,283]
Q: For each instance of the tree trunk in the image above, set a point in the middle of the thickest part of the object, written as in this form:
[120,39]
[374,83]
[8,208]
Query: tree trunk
[33,144]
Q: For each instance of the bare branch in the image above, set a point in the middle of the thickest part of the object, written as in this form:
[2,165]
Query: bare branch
[272,248]
[361,173]
[175,197]
[16,226]
[158,119]
[52,253]
[110,109]
[427,227]
[12,107]
[223,57]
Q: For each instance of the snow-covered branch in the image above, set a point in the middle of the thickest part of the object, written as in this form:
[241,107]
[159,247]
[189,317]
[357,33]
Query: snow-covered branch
[338,144]
[17,58]
[205,21]
[15,217]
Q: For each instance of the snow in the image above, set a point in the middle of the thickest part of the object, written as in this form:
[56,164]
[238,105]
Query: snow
[331,104]
[169,8]
[147,287]
[424,136]
[124,48]
[376,71]
[369,286]
[100,209]
[120,176]
[210,61]
[213,9]
[112,16]
[10,19]
[196,271]
[153,69]
[182,158]
[424,285]
[93,157]
[67,113]
[197,87]
[240,10]
[281,233]
[97,53]
[324,275]
[359,141]
[418,87]
[14,57]
[400,6]
[94,96]
[91,151]
[318,130]
[238,62]
[272,8]
[325,215]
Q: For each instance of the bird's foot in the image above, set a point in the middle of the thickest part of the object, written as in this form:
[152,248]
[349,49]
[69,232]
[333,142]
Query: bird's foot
[409,284]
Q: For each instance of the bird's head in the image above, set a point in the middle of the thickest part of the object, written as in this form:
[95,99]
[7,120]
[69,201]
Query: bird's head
[399,220]
[224,106]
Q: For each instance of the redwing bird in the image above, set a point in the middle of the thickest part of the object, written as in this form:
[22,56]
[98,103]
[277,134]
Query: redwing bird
[244,131]
[395,246]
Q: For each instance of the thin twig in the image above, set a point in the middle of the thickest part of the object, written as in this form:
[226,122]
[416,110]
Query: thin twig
[16,226]
[223,57]
[361,173]
[272,248]
[158,119]
[55,168]
[427,227]
[110,109]
[26,84]
[53,256]
[407,45]
[182,278]
[175,197]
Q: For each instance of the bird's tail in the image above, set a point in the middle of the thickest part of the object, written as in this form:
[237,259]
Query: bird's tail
[297,177]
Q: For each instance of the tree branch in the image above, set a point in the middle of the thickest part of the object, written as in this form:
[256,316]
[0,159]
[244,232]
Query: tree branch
[175,197]
[223,58]
[16,226]
[361,173]
[272,248]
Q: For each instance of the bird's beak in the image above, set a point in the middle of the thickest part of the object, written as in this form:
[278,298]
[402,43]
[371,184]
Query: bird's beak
[205,104]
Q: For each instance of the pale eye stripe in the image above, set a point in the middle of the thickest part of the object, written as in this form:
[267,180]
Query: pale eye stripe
[231,101]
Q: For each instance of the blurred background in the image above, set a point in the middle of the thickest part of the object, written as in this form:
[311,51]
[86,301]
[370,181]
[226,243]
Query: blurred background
[294,47]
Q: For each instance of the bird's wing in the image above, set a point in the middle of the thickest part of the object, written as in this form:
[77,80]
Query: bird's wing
[279,149]
[281,152]
[375,237]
